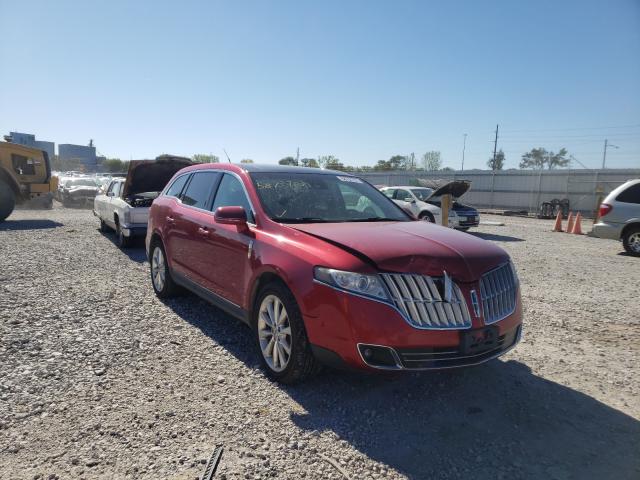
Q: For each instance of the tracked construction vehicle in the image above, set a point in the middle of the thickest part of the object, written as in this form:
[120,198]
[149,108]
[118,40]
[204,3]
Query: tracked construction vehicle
[25,178]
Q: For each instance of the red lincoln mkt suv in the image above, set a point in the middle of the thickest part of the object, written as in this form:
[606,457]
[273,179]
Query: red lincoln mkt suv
[325,269]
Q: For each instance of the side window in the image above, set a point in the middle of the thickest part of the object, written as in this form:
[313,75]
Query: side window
[199,189]
[404,196]
[630,195]
[176,187]
[389,192]
[231,194]
[23,165]
[116,189]
[111,187]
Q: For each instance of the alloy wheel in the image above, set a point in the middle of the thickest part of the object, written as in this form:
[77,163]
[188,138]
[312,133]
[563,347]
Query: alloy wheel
[158,269]
[274,333]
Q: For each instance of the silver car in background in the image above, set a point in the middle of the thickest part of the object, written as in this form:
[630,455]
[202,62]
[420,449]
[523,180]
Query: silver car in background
[620,216]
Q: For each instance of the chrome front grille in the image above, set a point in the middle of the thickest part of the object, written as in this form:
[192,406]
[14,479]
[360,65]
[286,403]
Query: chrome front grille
[498,289]
[420,301]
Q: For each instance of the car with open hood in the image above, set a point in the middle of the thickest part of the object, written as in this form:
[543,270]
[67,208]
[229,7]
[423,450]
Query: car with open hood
[124,205]
[326,269]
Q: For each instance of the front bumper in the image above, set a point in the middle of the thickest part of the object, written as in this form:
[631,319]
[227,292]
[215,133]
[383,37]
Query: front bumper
[345,324]
[611,231]
[134,230]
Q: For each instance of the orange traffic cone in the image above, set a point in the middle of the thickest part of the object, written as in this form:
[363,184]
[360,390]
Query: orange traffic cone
[577,227]
[570,222]
[558,225]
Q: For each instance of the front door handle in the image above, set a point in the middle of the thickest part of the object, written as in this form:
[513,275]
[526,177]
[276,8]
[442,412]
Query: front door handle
[170,219]
[203,231]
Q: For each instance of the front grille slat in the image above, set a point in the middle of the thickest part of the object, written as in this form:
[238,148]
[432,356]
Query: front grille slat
[498,289]
[418,298]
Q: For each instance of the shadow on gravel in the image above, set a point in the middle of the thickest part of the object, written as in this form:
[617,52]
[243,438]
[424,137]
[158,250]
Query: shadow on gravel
[136,252]
[493,421]
[28,225]
[496,238]
[627,254]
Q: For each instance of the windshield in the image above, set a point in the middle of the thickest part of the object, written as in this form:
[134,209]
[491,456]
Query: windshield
[422,193]
[316,197]
[85,182]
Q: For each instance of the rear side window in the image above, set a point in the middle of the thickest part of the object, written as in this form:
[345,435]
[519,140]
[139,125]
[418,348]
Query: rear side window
[630,195]
[199,189]
[231,194]
[116,189]
[176,187]
[389,192]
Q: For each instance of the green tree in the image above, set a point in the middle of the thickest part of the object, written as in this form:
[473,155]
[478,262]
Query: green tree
[246,160]
[204,158]
[432,161]
[114,165]
[288,161]
[539,158]
[334,164]
[308,162]
[498,164]
[325,160]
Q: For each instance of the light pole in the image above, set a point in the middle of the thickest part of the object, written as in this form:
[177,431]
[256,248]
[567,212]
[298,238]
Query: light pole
[604,154]
[464,146]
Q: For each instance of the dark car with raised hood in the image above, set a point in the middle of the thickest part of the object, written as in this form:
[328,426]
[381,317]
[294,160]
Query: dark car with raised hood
[325,269]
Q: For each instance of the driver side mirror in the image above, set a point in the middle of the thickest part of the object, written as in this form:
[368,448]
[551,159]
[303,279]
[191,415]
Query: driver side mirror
[232,216]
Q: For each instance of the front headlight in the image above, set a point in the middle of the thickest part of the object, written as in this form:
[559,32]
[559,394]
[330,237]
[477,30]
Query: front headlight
[367,285]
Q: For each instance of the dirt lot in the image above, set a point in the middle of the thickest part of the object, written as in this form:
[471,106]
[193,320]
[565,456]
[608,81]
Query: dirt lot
[99,379]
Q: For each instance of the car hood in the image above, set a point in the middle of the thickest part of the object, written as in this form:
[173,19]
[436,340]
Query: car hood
[412,247]
[456,188]
[152,175]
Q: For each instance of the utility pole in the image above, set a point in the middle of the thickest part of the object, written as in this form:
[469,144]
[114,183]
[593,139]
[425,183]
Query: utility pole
[604,154]
[464,146]
[495,147]
[298,156]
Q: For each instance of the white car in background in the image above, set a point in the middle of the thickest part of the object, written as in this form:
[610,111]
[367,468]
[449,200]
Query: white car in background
[424,203]
[124,206]
[413,199]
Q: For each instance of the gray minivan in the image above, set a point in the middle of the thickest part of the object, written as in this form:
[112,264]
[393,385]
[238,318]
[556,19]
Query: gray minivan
[620,216]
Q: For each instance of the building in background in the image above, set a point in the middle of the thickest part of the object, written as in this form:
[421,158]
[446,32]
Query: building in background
[29,140]
[84,154]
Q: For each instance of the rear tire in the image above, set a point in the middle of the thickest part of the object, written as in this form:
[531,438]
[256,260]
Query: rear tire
[631,241]
[103,226]
[7,200]
[298,363]
[161,279]
[427,217]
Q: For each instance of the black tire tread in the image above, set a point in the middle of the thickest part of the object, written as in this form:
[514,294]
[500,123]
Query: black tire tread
[625,239]
[7,200]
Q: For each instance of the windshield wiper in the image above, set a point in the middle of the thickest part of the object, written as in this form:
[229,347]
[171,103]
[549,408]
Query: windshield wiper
[374,219]
[300,220]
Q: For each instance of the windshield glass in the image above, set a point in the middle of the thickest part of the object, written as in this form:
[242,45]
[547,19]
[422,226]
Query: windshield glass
[422,193]
[85,182]
[315,197]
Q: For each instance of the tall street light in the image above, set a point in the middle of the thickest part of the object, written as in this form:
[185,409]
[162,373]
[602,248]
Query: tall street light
[464,146]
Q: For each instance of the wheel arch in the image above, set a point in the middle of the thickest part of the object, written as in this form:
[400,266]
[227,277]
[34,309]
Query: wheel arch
[632,224]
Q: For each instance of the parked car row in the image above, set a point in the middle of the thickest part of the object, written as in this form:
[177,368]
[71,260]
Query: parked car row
[324,268]
[425,203]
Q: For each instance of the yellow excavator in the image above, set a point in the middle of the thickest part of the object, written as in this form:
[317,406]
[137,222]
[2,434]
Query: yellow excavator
[25,178]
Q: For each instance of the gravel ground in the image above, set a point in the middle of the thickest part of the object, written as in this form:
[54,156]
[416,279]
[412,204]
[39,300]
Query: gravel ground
[100,379]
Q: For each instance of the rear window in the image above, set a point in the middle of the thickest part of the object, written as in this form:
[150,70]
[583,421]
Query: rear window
[199,189]
[630,195]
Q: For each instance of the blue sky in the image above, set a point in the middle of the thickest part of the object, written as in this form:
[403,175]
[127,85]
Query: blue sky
[361,80]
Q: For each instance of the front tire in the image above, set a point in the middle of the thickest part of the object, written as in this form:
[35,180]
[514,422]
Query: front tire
[427,217]
[161,279]
[123,241]
[281,337]
[631,241]
[7,200]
